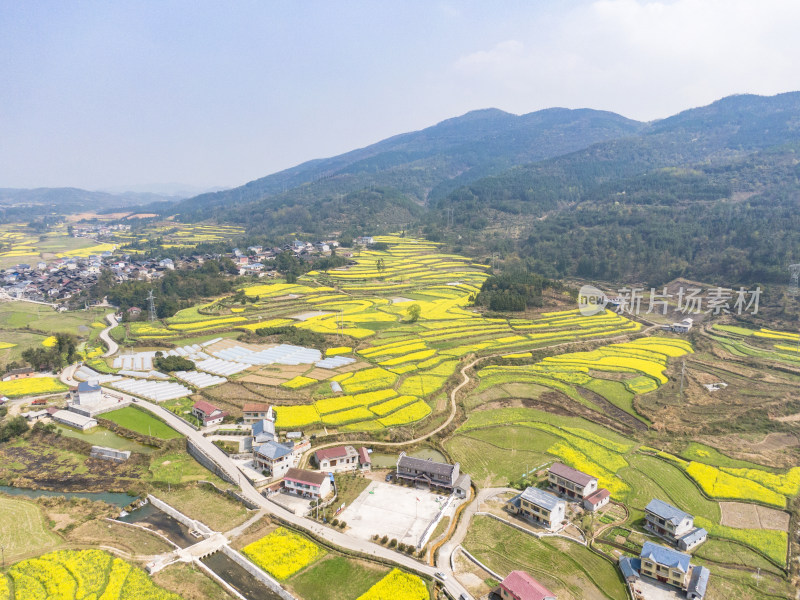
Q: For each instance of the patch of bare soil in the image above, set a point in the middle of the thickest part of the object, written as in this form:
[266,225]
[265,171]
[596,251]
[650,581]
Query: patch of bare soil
[254,533]
[778,449]
[272,381]
[753,516]
[471,576]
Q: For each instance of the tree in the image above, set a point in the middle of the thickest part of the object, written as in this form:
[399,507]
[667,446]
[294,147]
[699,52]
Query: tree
[413,312]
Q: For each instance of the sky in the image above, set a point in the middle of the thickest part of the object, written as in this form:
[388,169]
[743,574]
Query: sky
[136,95]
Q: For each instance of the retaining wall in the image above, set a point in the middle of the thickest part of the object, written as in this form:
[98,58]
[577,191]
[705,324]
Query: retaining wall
[256,572]
[179,516]
[208,462]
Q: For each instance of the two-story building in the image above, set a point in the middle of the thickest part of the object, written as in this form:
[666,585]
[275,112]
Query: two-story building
[336,459]
[274,457]
[253,412]
[207,413]
[308,484]
[521,586]
[667,521]
[569,482]
[540,507]
[665,565]
[436,475]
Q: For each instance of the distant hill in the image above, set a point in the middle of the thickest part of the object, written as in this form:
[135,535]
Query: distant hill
[711,193]
[25,204]
[424,165]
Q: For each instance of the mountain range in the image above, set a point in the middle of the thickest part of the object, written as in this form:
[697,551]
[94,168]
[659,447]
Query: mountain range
[710,192]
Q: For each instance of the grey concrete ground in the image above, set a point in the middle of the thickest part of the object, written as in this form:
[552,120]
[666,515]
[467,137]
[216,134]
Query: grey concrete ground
[386,509]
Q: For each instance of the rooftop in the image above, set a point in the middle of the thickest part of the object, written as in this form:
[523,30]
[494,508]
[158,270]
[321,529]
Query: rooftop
[335,453]
[598,496]
[698,581]
[666,511]
[85,387]
[541,498]
[571,474]
[694,535]
[302,476]
[525,587]
[666,556]
[205,407]
[425,465]
[274,450]
[255,407]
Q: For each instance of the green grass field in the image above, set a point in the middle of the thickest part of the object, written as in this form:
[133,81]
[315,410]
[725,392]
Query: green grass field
[568,569]
[23,531]
[141,422]
[675,487]
[204,504]
[499,455]
[336,578]
[179,467]
[103,437]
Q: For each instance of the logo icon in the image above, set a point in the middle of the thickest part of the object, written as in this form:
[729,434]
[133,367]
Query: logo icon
[591,301]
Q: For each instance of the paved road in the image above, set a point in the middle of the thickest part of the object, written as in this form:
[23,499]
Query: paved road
[448,548]
[112,346]
[248,491]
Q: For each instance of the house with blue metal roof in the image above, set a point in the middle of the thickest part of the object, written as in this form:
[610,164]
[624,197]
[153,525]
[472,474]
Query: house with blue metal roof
[665,565]
[540,507]
[692,539]
[698,582]
[667,521]
[274,457]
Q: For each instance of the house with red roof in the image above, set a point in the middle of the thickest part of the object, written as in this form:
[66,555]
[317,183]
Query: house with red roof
[596,500]
[364,461]
[207,413]
[521,586]
[337,459]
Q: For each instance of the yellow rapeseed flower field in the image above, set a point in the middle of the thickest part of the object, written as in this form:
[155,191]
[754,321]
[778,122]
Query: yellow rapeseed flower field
[283,553]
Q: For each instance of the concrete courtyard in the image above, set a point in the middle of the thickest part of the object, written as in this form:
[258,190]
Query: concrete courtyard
[392,510]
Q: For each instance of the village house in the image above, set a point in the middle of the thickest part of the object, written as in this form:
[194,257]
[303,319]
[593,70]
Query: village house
[521,586]
[308,484]
[665,565]
[682,326]
[253,412]
[89,393]
[597,500]
[263,431]
[667,521]
[434,474]
[569,482]
[73,419]
[540,507]
[207,413]
[364,460]
[274,457]
[20,373]
[337,459]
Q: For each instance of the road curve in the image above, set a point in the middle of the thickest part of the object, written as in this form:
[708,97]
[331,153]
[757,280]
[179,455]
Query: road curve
[105,335]
[449,547]
[453,406]
[249,491]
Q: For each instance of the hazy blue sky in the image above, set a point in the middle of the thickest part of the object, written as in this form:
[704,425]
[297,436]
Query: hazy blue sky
[112,94]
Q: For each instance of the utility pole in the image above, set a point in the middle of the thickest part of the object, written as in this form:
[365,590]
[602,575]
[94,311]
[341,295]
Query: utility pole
[151,299]
[683,373]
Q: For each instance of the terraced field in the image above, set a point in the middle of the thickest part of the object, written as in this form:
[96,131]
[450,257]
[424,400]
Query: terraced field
[501,446]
